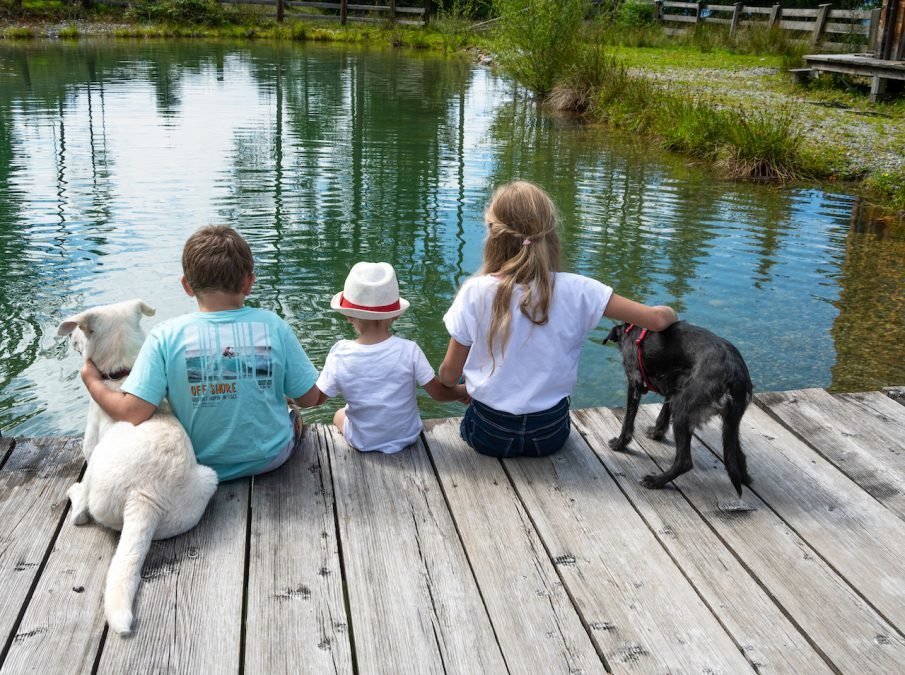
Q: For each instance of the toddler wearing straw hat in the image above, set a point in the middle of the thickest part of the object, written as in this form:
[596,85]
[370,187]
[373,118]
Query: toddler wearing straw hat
[378,373]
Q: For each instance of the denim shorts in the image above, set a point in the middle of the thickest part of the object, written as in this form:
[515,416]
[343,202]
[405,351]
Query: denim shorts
[501,434]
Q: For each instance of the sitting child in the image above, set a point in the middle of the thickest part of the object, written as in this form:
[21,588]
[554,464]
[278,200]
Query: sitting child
[226,370]
[377,373]
[517,328]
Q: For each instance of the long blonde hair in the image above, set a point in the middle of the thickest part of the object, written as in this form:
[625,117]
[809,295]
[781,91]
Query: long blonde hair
[521,248]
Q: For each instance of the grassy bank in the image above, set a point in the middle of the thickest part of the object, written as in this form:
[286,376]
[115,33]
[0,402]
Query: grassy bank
[710,95]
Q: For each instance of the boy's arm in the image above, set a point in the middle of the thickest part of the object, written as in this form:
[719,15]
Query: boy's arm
[440,392]
[311,398]
[655,318]
[119,405]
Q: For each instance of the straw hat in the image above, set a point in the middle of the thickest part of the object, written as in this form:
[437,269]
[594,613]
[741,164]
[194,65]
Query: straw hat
[371,292]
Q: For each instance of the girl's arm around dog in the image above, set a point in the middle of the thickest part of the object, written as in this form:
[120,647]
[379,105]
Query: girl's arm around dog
[119,405]
[656,318]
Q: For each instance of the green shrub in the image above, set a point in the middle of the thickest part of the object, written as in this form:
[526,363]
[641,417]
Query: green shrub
[538,39]
[187,12]
[635,14]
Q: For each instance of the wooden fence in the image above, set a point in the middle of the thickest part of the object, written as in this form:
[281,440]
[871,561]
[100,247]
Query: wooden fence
[859,26]
[345,11]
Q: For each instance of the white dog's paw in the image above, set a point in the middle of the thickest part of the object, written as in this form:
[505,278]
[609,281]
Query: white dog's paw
[79,518]
[120,621]
[76,494]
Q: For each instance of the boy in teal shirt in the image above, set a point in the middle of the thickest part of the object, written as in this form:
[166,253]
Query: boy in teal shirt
[226,370]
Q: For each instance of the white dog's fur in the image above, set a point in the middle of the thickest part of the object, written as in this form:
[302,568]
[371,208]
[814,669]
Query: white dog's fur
[143,480]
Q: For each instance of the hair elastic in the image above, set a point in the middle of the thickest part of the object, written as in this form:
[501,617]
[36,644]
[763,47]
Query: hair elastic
[527,242]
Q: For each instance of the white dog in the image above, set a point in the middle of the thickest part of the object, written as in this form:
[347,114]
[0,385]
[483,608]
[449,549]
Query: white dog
[143,480]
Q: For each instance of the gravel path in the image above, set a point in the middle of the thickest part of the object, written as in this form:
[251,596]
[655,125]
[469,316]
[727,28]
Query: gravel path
[872,140]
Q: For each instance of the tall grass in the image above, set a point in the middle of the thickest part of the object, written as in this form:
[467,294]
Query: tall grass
[763,146]
[744,144]
[538,40]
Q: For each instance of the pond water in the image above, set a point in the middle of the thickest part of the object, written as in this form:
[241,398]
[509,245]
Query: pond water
[111,155]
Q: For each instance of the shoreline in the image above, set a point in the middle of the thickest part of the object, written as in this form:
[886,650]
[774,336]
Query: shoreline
[868,140]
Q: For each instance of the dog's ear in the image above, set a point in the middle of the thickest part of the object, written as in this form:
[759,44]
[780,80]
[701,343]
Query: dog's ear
[615,334]
[82,321]
[147,310]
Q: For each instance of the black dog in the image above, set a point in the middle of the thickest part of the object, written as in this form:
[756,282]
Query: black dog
[701,375]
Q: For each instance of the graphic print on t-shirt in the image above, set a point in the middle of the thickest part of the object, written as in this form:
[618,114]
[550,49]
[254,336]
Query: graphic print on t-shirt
[220,359]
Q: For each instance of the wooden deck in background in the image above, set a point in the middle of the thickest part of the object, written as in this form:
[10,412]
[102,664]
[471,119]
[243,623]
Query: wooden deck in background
[440,560]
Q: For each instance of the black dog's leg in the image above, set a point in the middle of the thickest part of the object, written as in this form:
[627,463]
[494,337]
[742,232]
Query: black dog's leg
[681,429]
[628,422]
[658,431]
[733,457]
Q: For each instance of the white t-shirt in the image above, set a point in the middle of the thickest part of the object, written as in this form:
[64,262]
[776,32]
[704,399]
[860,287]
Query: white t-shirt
[379,383]
[539,366]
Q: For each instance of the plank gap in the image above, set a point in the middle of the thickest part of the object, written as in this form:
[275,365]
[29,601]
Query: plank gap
[556,568]
[455,522]
[243,628]
[328,451]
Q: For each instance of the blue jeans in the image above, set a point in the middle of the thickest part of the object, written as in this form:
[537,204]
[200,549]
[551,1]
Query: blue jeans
[501,434]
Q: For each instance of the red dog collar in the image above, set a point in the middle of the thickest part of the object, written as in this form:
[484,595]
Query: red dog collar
[647,385]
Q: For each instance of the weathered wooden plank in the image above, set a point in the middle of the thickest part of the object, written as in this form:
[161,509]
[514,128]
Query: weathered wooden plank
[858,442]
[882,412]
[833,616]
[643,613]
[862,540]
[296,615]
[757,625]
[804,26]
[796,11]
[853,14]
[33,484]
[188,611]
[536,625]
[846,28]
[63,626]
[414,603]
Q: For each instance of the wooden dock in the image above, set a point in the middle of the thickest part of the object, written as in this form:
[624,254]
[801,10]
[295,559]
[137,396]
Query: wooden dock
[439,560]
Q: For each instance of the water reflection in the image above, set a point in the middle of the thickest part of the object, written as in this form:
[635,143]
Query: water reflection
[111,155]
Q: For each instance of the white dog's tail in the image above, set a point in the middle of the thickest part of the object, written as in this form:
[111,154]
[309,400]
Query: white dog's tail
[140,519]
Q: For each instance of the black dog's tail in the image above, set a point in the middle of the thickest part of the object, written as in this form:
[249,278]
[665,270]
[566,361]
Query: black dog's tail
[733,456]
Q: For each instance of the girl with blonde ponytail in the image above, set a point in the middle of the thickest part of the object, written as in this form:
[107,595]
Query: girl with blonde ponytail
[518,325]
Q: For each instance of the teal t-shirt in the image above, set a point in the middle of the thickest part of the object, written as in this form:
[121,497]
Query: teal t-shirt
[226,376]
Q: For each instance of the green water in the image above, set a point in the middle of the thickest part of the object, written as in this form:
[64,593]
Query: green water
[111,155]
